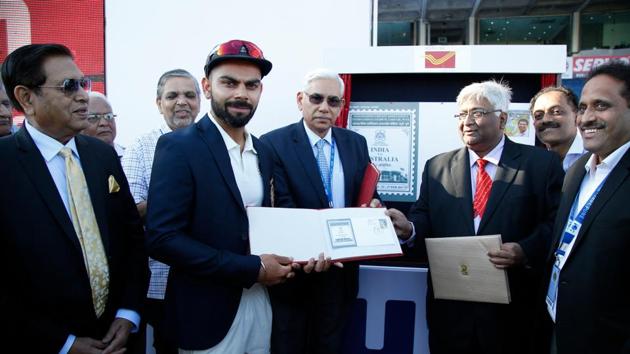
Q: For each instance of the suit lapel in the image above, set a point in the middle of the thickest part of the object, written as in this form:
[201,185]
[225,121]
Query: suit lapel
[265,168]
[572,183]
[212,137]
[347,162]
[304,153]
[509,164]
[616,177]
[37,171]
[97,183]
[460,179]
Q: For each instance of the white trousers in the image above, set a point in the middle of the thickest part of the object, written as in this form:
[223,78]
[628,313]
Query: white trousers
[251,330]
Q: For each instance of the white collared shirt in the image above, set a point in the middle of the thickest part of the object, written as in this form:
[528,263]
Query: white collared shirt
[575,152]
[337,182]
[49,148]
[244,166]
[493,158]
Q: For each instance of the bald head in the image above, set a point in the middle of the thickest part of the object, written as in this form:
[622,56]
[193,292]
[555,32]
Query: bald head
[101,124]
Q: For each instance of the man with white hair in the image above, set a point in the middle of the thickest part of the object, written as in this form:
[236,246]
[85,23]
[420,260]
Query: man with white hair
[490,186]
[318,166]
[102,121]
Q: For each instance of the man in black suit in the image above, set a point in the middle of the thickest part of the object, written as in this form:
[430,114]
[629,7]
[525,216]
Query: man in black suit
[72,266]
[203,178]
[317,166]
[491,186]
[588,294]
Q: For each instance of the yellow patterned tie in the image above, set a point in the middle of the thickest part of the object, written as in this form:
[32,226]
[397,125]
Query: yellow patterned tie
[85,226]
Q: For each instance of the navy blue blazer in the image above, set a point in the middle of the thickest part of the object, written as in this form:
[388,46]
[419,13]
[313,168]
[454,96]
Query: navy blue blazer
[197,224]
[298,184]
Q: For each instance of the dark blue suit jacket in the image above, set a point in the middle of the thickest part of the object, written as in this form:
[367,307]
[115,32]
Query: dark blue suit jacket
[297,182]
[197,224]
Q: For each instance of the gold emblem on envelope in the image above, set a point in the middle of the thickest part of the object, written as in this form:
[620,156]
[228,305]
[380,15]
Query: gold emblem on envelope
[463,268]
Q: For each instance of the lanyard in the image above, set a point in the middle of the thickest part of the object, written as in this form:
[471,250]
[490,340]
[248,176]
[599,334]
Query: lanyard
[328,186]
[575,223]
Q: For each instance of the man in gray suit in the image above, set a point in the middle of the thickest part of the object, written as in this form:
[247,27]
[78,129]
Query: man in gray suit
[490,186]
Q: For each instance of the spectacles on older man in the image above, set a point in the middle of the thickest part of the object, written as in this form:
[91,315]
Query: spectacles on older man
[94,118]
[476,114]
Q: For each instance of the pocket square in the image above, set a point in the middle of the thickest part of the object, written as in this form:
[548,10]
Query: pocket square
[113,185]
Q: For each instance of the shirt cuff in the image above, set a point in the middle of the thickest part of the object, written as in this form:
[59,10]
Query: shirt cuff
[131,316]
[411,241]
[66,347]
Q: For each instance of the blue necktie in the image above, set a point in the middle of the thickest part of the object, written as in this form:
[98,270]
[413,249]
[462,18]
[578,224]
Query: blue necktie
[322,163]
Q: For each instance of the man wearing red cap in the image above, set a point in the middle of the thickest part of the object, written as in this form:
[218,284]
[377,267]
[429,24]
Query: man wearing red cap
[204,176]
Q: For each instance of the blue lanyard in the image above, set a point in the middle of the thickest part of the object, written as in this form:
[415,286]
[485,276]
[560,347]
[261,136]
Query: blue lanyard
[328,186]
[575,223]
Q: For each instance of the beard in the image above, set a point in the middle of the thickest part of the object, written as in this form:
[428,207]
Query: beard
[235,121]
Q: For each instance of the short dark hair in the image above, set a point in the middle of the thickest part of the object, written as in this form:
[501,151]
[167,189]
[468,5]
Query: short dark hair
[523,120]
[568,94]
[618,70]
[175,73]
[24,67]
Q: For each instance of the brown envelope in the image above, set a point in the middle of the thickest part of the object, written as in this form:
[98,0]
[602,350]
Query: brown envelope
[461,269]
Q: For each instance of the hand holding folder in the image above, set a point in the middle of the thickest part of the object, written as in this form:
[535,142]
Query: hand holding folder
[368,186]
[461,269]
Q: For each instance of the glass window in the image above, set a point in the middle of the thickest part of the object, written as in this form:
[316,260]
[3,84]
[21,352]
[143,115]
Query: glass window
[395,33]
[525,30]
[605,30]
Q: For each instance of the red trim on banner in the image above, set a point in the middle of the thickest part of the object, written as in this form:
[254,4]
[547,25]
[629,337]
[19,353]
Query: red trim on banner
[342,120]
[547,80]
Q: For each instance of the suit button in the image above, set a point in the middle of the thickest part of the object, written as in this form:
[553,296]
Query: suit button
[564,282]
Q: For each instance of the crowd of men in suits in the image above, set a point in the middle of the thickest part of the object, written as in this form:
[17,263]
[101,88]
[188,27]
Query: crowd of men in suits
[78,225]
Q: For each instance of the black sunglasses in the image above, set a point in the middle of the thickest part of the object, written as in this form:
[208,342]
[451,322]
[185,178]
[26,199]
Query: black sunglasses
[70,86]
[316,98]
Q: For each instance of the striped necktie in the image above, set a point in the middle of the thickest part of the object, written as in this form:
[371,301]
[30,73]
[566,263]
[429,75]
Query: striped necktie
[482,192]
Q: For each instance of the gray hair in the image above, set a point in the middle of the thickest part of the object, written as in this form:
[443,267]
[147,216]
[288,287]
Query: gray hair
[98,95]
[320,74]
[175,73]
[497,93]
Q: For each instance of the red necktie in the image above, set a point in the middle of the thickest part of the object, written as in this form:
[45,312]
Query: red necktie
[484,184]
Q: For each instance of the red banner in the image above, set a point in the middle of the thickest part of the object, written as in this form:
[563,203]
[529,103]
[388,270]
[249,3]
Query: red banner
[77,24]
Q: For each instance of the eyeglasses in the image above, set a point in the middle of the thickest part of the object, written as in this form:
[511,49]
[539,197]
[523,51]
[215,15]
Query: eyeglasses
[95,118]
[316,98]
[475,113]
[70,86]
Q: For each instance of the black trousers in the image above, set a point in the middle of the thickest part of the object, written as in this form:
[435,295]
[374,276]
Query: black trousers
[155,317]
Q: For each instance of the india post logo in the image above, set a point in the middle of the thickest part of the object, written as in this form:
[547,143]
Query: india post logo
[439,59]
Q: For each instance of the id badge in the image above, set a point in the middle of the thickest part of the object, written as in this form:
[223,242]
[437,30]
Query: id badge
[552,292]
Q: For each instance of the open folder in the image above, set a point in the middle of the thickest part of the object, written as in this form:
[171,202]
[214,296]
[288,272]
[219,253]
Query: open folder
[461,269]
[343,234]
